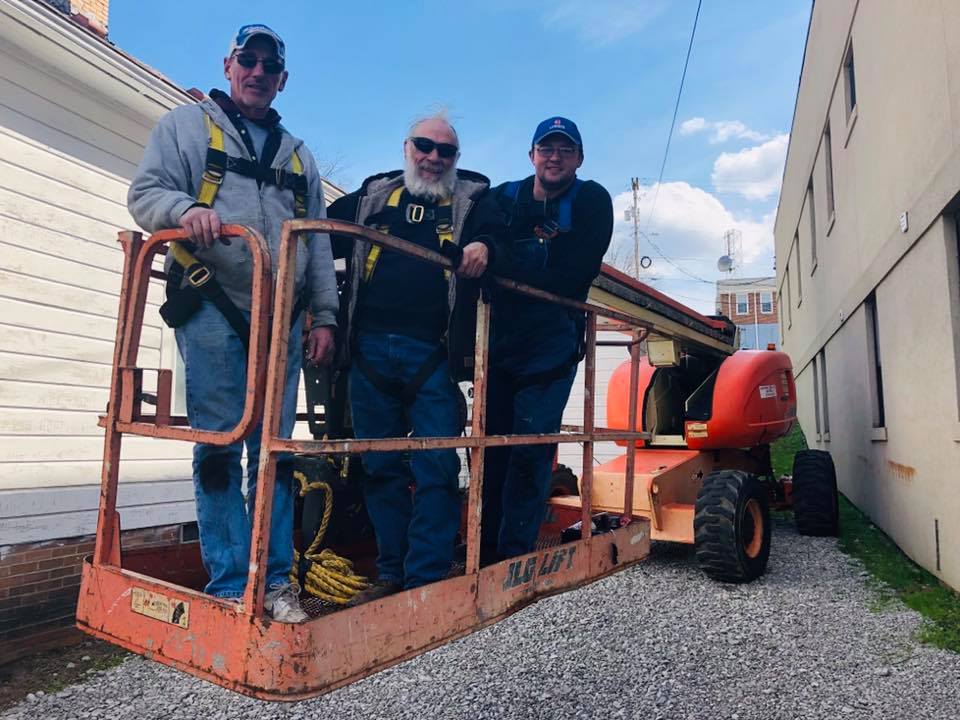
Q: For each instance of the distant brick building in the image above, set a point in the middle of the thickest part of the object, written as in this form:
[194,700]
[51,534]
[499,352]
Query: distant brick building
[751,303]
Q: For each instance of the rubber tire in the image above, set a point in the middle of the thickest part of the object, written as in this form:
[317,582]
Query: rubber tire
[564,482]
[816,506]
[724,527]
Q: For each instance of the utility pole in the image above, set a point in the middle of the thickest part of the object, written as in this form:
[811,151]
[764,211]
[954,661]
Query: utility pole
[635,184]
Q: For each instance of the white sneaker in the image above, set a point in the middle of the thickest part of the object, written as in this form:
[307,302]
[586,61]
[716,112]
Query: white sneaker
[283,603]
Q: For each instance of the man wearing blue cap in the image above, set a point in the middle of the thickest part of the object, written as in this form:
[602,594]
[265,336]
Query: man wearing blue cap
[229,160]
[560,228]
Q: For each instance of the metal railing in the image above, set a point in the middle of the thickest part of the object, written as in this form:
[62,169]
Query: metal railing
[265,387]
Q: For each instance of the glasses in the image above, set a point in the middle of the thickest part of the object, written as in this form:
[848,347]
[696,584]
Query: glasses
[427,146]
[564,151]
[271,66]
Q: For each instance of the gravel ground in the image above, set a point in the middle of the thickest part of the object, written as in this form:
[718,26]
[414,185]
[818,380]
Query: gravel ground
[656,641]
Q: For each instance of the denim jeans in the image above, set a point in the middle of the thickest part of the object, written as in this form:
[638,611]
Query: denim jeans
[215,363]
[516,480]
[415,528]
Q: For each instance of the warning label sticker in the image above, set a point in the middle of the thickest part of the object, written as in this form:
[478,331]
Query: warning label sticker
[160,607]
[768,391]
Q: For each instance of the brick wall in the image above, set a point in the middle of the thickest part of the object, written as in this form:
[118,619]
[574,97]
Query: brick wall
[39,584]
[97,11]
[726,304]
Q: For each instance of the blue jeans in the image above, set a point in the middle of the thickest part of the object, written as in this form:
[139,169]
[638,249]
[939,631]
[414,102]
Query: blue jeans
[516,480]
[413,498]
[216,371]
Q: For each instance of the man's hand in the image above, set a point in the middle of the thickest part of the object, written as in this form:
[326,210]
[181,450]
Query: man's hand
[320,346]
[203,224]
[474,261]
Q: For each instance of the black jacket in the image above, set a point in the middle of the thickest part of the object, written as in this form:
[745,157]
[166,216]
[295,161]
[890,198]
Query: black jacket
[483,221]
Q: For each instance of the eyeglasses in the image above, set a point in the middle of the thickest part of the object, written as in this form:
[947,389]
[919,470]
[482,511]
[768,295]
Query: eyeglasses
[427,146]
[248,60]
[564,151]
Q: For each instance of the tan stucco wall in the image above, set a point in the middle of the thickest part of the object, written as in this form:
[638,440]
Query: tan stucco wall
[897,152]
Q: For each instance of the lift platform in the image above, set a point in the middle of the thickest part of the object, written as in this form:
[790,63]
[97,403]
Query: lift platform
[150,601]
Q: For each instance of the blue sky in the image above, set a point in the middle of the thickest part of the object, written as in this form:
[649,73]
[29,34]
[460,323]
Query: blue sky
[359,72]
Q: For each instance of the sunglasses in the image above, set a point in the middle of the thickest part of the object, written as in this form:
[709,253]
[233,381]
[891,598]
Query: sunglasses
[271,66]
[427,146]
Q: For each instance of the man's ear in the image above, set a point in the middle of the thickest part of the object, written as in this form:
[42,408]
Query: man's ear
[283,81]
[226,68]
[530,155]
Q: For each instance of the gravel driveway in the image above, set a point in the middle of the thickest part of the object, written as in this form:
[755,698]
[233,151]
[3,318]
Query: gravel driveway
[656,641]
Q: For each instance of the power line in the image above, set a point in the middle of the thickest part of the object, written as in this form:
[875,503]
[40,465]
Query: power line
[666,152]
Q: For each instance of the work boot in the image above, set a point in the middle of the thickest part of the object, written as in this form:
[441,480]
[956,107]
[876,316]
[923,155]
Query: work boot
[283,603]
[379,589]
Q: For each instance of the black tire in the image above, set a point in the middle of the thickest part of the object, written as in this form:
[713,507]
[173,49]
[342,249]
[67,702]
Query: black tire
[731,526]
[816,505]
[564,482]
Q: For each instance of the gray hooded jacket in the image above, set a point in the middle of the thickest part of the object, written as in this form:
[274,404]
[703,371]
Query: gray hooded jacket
[166,185]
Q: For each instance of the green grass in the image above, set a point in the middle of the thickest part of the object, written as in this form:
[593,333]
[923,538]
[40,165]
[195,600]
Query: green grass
[895,576]
[783,450]
[898,577]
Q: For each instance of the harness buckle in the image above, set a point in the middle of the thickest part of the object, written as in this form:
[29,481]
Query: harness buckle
[280,176]
[415,213]
[213,176]
[547,230]
[199,275]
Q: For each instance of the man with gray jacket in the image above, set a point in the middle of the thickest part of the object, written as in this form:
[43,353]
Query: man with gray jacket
[228,160]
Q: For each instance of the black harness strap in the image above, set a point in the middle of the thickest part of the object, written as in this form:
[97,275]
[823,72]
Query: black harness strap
[406,392]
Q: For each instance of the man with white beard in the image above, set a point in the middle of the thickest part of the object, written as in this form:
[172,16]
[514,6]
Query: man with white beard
[408,339]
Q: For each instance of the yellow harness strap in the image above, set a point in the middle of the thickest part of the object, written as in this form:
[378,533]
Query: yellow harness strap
[393,201]
[212,177]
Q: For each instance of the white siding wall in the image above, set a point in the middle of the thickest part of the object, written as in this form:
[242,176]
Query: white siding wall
[608,359]
[67,152]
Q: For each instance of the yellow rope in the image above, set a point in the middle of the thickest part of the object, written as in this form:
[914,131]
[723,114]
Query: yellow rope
[330,577]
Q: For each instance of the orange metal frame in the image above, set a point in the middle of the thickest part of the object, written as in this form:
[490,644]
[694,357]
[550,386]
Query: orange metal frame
[238,646]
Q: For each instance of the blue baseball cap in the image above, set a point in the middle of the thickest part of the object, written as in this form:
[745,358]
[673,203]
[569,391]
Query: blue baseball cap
[246,33]
[557,125]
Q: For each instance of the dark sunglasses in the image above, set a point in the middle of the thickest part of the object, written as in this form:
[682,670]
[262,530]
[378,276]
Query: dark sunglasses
[427,146]
[271,66]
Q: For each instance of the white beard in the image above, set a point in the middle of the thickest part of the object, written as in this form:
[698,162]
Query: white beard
[432,191]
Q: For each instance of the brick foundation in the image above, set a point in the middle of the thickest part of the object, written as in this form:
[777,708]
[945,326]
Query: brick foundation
[39,583]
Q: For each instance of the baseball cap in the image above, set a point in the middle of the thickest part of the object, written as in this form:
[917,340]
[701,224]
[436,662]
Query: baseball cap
[557,125]
[248,32]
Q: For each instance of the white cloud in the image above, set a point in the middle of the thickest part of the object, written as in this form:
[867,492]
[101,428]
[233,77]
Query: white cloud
[602,22]
[721,130]
[689,224]
[755,172]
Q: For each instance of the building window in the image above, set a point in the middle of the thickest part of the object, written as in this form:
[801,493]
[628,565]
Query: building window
[824,400]
[796,239]
[828,160]
[875,362]
[816,395]
[780,309]
[789,301]
[743,305]
[766,303]
[813,229]
[850,81]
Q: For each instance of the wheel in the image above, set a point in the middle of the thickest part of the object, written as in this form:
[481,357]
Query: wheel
[731,526]
[564,482]
[816,506]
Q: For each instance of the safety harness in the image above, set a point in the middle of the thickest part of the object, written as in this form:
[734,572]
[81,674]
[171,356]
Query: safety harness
[183,300]
[548,230]
[442,217]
